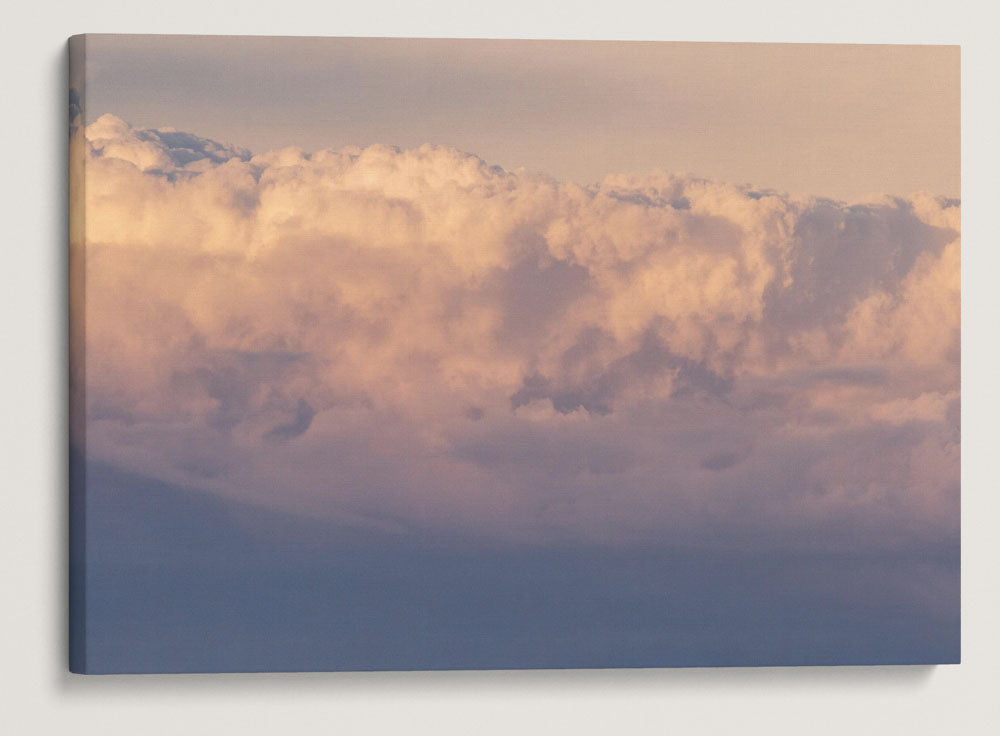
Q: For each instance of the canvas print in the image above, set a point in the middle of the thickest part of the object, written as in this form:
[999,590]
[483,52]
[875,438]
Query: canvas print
[396,354]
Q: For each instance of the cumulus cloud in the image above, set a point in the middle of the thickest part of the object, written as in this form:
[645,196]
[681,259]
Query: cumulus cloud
[419,339]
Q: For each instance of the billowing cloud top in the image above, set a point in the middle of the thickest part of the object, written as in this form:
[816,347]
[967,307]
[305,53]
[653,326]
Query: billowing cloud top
[419,340]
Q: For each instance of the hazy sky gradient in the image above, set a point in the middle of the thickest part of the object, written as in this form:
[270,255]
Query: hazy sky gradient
[838,120]
[184,582]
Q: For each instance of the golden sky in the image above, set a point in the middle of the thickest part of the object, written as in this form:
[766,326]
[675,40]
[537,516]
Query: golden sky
[836,120]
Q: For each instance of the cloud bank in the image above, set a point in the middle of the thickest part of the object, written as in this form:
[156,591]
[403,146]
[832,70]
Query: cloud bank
[418,340]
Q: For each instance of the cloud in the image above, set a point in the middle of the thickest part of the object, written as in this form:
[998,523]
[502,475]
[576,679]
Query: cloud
[421,337]
[164,151]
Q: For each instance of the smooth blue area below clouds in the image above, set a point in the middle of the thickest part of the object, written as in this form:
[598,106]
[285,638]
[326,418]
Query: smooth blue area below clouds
[181,581]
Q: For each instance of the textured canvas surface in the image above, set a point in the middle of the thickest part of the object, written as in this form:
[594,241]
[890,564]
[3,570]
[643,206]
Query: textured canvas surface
[423,354]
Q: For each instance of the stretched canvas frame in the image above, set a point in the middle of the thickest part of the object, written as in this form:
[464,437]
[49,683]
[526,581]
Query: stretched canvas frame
[454,366]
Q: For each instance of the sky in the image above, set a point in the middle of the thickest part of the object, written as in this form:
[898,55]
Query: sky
[839,120]
[390,404]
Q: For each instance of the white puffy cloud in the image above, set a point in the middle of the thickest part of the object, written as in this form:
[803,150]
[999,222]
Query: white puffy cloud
[419,338]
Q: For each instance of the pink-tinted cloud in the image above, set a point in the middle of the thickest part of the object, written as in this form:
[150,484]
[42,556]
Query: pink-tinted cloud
[418,338]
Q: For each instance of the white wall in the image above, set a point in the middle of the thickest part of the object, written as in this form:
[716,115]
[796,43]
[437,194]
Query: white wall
[37,694]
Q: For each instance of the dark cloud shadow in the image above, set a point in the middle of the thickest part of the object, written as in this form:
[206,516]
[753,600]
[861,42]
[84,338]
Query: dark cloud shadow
[181,581]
